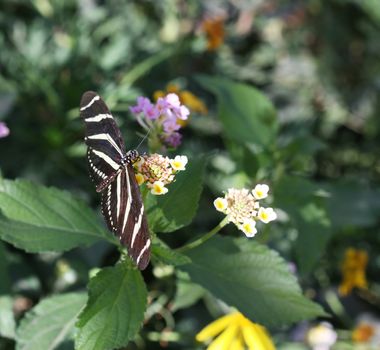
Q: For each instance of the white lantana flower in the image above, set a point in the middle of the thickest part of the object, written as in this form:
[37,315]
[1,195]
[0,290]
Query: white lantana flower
[322,336]
[260,191]
[158,188]
[249,228]
[179,163]
[242,208]
[220,204]
[266,215]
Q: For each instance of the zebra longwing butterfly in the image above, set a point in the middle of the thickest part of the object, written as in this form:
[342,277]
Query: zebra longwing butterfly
[112,172]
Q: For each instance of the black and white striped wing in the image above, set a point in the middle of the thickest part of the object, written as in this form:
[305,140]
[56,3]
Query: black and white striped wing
[111,170]
[123,209]
[103,138]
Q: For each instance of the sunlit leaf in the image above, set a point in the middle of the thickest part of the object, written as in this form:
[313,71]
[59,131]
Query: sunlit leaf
[115,310]
[37,218]
[50,322]
[252,278]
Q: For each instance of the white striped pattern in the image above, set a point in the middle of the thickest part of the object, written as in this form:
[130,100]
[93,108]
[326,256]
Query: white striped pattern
[107,159]
[118,192]
[129,200]
[147,245]
[108,138]
[136,229]
[98,118]
[90,103]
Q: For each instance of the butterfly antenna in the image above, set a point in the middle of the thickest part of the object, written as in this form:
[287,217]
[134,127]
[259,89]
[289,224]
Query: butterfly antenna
[143,139]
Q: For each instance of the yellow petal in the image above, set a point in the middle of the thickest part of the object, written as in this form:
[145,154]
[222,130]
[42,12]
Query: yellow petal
[256,338]
[214,328]
[140,179]
[238,342]
[224,340]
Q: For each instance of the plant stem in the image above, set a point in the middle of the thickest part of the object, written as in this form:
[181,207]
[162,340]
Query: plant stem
[203,238]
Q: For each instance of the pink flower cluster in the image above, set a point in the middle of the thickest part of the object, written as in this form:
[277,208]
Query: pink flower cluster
[4,131]
[164,115]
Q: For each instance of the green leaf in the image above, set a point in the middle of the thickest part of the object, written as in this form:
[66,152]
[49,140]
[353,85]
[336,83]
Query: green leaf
[166,255]
[50,322]
[246,114]
[252,278]
[114,311]
[38,219]
[302,201]
[178,207]
[7,318]
[187,293]
[352,203]
[313,234]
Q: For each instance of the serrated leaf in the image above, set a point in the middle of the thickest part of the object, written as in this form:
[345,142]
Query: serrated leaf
[177,208]
[115,309]
[247,115]
[49,323]
[255,280]
[39,219]
[168,256]
[7,318]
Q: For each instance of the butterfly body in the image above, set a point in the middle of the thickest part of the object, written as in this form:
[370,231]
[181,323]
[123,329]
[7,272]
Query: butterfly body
[111,169]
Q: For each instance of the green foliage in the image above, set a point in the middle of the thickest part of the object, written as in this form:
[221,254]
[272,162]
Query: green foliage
[308,212]
[7,319]
[115,309]
[51,322]
[252,278]
[38,219]
[246,114]
[162,253]
[178,207]
[287,106]
[187,293]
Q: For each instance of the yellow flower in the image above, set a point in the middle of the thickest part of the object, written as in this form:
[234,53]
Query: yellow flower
[158,188]
[363,333]
[186,98]
[140,178]
[353,271]
[235,332]
[214,31]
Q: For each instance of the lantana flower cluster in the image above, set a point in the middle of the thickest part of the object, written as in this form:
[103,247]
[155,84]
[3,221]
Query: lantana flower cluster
[163,118]
[242,207]
[157,171]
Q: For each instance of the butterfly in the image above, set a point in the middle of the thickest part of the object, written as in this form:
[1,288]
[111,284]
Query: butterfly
[111,169]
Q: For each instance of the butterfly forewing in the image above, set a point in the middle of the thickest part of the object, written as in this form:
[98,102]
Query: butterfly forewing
[103,138]
[112,172]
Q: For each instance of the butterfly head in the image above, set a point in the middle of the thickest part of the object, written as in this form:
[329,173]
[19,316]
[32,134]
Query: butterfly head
[130,157]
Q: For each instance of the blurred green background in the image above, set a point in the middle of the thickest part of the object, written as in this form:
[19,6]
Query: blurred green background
[318,61]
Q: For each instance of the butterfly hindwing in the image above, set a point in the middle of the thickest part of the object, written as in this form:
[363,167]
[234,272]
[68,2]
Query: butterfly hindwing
[112,172]
[123,209]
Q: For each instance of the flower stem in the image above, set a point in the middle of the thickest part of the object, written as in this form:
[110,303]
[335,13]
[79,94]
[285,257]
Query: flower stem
[203,238]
